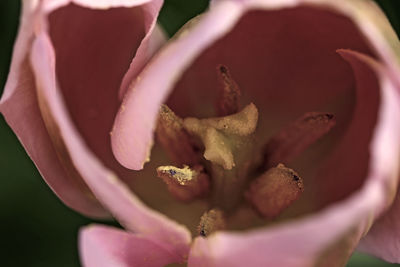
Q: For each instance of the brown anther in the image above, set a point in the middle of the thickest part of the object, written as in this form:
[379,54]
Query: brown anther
[211,221]
[274,191]
[296,137]
[229,93]
[174,138]
[185,184]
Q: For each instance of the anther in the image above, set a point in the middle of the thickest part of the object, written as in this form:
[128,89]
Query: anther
[174,138]
[274,191]
[185,184]
[296,137]
[211,221]
[229,93]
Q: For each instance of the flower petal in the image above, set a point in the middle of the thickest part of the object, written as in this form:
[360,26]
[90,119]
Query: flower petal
[20,109]
[383,240]
[150,44]
[91,64]
[95,4]
[105,185]
[93,52]
[102,246]
[303,242]
[67,138]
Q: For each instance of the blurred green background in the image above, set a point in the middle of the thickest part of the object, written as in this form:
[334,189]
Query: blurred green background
[36,228]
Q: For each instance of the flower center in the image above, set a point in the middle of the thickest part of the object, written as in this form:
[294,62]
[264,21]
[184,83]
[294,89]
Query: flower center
[217,159]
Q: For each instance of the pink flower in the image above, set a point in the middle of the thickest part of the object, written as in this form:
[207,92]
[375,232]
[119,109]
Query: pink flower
[288,57]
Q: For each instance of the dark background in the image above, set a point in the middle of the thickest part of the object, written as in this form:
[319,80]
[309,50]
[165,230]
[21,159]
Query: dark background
[36,228]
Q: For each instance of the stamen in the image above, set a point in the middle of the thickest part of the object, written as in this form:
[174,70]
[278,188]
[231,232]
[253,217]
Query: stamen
[211,221]
[296,137]
[229,93]
[274,191]
[185,184]
[174,138]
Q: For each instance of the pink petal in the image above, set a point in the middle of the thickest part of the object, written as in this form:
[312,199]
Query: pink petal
[102,246]
[352,152]
[94,4]
[105,185]
[150,44]
[383,240]
[305,242]
[89,71]
[20,108]
[91,65]
[72,95]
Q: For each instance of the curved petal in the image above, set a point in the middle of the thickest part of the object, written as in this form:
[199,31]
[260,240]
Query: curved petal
[383,240]
[60,151]
[20,108]
[93,53]
[105,185]
[303,242]
[152,42]
[94,4]
[102,246]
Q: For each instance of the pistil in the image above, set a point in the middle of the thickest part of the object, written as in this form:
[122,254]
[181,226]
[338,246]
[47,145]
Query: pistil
[229,142]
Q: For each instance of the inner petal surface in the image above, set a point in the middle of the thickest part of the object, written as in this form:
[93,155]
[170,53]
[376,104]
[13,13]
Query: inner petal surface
[93,51]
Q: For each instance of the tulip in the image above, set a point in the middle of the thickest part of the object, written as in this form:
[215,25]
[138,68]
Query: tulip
[321,72]
[311,89]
